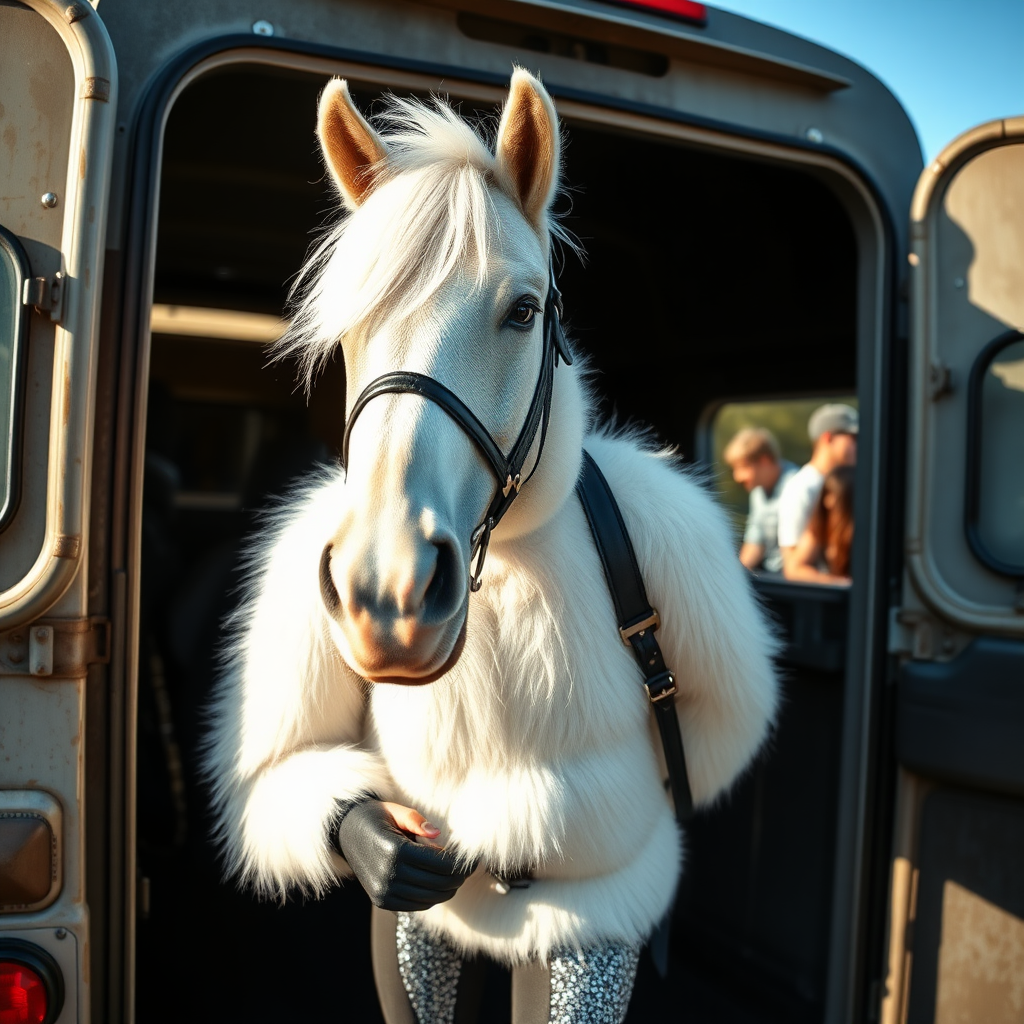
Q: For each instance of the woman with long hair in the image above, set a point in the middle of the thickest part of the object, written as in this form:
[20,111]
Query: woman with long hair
[823,554]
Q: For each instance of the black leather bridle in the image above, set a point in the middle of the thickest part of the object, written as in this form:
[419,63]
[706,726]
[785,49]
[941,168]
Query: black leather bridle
[507,469]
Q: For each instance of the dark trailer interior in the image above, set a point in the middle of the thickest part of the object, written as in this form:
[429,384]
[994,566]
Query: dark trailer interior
[709,277]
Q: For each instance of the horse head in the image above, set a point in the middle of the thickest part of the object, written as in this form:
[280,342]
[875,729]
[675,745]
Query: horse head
[440,272]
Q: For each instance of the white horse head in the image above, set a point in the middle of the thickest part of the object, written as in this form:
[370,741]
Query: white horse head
[440,268]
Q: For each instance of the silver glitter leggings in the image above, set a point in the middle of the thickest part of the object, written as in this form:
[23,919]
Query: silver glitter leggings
[418,977]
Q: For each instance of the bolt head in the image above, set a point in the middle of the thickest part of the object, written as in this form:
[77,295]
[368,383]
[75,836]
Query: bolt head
[41,635]
[262,28]
[49,200]
[815,135]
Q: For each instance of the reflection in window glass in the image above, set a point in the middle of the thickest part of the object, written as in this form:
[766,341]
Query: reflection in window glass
[13,267]
[1001,485]
[786,418]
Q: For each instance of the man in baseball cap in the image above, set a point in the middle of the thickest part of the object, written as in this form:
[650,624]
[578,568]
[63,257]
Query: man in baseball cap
[833,429]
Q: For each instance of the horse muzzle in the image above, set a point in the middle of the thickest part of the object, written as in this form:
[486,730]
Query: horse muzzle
[409,631]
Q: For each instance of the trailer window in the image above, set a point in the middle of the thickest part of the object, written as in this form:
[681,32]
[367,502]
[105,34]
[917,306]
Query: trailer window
[995,470]
[13,331]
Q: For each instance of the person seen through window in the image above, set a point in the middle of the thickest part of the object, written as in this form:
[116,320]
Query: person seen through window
[756,464]
[823,552]
[833,430]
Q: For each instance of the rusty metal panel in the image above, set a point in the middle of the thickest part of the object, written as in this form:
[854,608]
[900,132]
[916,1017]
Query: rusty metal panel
[35,133]
[968,942]
[57,70]
[37,83]
[57,96]
[967,226]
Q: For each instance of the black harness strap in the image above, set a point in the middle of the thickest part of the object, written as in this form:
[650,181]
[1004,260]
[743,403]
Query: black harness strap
[637,621]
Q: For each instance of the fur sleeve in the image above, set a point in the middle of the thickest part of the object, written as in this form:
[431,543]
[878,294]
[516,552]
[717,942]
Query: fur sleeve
[288,718]
[714,634]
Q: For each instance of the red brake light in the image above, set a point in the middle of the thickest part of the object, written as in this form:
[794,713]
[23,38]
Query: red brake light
[685,10]
[23,996]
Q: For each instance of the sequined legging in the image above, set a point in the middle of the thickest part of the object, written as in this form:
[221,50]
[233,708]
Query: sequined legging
[418,976]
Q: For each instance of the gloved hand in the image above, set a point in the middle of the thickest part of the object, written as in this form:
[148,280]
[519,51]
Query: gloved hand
[396,873]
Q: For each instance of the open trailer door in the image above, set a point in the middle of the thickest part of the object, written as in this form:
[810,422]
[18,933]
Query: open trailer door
[57,97]
[956,936]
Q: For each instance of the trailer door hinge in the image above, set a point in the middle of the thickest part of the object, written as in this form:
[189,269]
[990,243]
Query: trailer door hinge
[46,295]
[911,634]
[55,648]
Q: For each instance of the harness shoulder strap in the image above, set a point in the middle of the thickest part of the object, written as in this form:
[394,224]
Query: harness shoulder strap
[637,621]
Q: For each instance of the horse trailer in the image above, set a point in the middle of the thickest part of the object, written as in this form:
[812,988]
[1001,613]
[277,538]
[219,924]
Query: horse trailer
[758,227]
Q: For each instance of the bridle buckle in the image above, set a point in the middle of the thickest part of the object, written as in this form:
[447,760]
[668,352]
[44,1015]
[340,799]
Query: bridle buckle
[510,483]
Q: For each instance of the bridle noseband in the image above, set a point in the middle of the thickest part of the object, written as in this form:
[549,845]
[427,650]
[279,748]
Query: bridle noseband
[508,469]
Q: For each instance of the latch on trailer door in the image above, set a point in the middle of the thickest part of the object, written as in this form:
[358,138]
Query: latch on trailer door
[46,295]
[55,648]
[914,634]
[911,634]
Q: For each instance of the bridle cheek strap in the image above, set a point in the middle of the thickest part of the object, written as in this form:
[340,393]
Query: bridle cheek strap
[507,470]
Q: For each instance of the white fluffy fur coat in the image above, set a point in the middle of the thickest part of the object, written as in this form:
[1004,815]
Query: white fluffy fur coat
[536,750]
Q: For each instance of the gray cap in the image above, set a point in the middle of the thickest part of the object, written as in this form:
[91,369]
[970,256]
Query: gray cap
[832,419]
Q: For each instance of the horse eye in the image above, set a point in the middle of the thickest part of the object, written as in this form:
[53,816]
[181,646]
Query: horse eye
[522,314]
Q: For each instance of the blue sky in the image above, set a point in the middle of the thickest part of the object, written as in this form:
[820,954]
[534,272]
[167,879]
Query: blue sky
[951,63]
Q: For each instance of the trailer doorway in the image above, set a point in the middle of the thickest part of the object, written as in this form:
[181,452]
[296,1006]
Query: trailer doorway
[710,276]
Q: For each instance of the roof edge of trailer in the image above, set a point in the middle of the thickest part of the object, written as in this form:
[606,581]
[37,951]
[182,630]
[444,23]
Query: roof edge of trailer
[162,86]
[615,22]
[724,42]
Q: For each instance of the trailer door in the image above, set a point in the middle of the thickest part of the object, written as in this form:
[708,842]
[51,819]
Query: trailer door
[956,934]
[57,97]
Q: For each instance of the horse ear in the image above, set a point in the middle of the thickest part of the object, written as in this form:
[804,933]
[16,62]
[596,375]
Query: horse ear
[350,146]
[529,150]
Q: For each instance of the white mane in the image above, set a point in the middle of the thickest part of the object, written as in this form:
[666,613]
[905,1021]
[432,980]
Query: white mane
[391,255]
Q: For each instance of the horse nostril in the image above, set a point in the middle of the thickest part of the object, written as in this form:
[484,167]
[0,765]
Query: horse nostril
[328,591]
[444,592]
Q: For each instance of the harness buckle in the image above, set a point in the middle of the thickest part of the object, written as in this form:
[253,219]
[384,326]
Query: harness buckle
[661,687]
[510,483]
[653,621]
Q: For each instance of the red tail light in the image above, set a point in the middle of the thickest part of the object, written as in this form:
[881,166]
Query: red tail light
[22,995]
[684,10]
[31,985]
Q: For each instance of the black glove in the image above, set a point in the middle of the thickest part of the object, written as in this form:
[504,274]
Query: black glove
[396,873]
